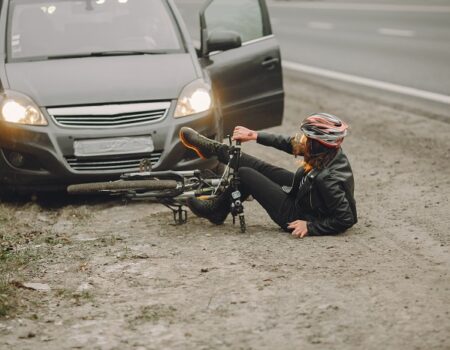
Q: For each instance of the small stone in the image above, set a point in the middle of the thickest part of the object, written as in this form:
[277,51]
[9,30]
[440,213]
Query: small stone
[28,335]
[43,218]
[141,256]
[83,287]
[42,287]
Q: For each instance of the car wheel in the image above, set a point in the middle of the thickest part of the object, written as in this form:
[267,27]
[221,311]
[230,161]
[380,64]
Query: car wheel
[12,195]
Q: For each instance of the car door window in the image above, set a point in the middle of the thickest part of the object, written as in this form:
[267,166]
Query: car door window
[241,16]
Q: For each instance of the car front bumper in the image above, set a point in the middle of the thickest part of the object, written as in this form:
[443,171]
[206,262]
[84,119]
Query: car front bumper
[43,158]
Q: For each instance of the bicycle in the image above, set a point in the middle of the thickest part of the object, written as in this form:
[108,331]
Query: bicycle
[172,188]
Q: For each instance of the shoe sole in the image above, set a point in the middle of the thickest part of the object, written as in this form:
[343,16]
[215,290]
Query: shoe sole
[188,145]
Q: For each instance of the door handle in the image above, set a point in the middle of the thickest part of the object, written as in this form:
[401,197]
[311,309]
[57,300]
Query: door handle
[270,62]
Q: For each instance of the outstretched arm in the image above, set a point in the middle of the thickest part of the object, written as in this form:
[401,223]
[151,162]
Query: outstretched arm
[244,134]
[283,143]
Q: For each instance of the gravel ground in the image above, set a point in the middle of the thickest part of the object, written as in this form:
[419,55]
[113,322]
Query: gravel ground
[122,277]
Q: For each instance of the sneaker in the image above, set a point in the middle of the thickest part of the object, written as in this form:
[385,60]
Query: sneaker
[215,210]
[203,146]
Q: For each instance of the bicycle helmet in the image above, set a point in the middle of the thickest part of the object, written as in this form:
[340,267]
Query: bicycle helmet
[325,128]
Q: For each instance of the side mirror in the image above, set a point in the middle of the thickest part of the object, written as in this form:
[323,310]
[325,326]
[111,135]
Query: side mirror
[223,40]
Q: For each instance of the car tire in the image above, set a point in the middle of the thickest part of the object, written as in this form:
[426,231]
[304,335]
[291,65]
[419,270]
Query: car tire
[12,195]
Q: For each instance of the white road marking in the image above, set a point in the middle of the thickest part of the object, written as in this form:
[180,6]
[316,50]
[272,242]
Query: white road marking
[363,7]
[320,25]
[427,95]
[397,32]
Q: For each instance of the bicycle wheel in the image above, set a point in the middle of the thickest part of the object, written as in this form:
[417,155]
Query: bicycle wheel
[121,185]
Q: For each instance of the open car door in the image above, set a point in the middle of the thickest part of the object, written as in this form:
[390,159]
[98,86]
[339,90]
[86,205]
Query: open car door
[247,78]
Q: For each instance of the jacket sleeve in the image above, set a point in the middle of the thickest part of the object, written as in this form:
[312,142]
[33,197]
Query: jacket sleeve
[280,142]
[339,215]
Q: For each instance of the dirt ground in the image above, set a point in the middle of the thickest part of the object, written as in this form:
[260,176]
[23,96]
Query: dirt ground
[122,277]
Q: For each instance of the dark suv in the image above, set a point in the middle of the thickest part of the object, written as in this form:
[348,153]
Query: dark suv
[90,88]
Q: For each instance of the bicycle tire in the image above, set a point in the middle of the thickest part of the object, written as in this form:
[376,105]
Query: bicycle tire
[122,185]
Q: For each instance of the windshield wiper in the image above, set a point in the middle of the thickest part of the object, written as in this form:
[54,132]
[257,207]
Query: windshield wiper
[130,52]
[107,53]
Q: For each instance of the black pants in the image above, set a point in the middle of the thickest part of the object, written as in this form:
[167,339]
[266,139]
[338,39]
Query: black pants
[263,181]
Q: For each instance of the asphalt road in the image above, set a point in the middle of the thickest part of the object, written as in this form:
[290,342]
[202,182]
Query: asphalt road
[406,44]
[408,48]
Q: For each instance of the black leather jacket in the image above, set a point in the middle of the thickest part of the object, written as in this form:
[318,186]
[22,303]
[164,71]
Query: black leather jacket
[326,198]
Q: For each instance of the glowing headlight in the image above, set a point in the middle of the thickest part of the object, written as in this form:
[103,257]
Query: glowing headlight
[195,98]
[20,109]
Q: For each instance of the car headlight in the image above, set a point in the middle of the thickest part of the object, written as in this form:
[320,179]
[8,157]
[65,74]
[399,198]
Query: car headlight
[20,109]
[194,98]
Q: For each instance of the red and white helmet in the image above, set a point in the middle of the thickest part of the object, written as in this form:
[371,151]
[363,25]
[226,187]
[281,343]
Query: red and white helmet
[326,128]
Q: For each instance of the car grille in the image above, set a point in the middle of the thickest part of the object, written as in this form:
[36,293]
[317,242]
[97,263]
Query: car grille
[109,116]
[122,164]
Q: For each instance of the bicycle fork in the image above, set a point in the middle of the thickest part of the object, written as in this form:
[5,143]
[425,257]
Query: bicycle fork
[237,208]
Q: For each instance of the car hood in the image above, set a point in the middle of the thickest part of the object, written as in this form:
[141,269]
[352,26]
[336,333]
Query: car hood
[94,80]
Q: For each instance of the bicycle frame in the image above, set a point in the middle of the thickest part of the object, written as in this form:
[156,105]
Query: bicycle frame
[173,188]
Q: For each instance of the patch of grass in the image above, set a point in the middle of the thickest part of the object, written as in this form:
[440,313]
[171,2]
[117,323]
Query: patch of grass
[8,298]
[126,254]
[16,255]
[153,314]
[109,241]
[80,213]
[55,239]
[76,297]
[12,263]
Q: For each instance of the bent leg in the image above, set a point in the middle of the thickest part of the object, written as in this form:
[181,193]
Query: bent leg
[268,193]
[276,174]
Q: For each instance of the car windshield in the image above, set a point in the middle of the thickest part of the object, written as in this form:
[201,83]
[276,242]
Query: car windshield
[76,28]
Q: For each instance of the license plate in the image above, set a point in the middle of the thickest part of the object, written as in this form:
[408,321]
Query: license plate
[113,146]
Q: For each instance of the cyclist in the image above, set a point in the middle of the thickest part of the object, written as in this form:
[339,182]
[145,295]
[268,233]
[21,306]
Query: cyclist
[315,200]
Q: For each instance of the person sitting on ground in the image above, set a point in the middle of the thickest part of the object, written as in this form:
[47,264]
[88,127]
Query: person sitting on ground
[315,200]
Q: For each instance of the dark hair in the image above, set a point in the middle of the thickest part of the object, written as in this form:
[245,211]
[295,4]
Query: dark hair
[317,156]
